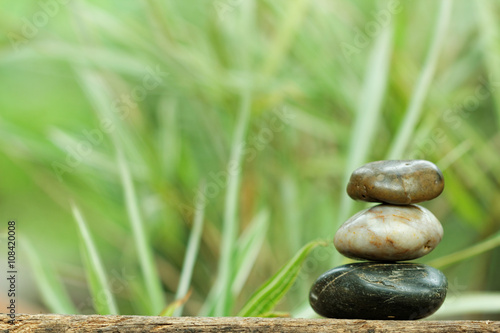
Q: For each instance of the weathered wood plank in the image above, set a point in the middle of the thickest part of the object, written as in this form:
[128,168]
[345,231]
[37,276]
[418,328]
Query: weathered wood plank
[81,323]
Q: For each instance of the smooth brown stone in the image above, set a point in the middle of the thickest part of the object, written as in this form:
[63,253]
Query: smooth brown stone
[389,233]
[398,182]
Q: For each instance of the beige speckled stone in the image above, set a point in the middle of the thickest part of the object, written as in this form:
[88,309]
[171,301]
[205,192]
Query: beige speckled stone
[398,182]
[389,233]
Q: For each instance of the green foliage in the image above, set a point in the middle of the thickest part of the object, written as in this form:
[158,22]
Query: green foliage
[102,296]
[191,253]
[230,223]
[271,292]
[143,248]
[52,291]
[469,252]
[125,108]
[423,83]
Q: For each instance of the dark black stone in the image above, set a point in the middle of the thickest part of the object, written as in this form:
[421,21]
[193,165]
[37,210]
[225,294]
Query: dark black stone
[376,290]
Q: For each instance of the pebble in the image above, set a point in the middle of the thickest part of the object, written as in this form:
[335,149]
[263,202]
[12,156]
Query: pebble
[389,233]
[398,182]
[371,290]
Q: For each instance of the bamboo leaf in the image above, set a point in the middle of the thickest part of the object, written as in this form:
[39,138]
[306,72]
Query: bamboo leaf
[271,292]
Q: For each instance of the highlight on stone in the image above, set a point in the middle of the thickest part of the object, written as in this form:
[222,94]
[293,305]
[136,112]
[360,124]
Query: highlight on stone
[395,230]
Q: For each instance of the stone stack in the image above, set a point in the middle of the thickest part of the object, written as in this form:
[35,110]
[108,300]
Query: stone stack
[393,231]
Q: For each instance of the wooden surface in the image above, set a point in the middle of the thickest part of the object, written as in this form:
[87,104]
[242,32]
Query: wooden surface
[63,323]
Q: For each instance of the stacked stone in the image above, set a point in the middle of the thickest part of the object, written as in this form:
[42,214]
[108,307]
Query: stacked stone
[393,231]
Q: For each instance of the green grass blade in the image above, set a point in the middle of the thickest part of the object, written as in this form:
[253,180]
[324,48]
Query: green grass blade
[100,95]
[369,108]
[469,252]
[412,115]
[490,37]
[454,155]
[291,212]
[102,296]
[192,251]
[96,159]
[230,223]
[290,24]
[464,202]
[53,293]
[143,247]
[271,292]
[249,246]
[169,138]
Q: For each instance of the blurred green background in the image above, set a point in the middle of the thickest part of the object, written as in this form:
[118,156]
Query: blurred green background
[125,109]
